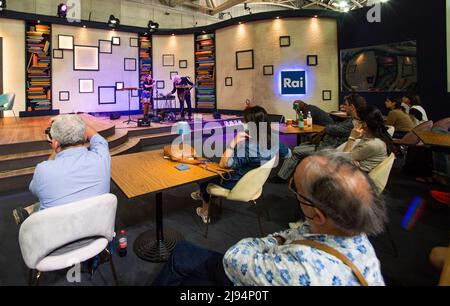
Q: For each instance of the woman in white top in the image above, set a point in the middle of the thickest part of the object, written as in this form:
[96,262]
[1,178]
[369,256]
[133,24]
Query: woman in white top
[376,143]
[413,106]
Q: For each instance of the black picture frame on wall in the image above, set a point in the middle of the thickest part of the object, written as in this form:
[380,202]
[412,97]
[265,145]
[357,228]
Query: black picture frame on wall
[228,81]
[115,41]
[85,83]
[129,64]
[160,84]
[82,52]
[134,42]
[101,89]
[64,96]
[326,95]
[245,60]
[172,74]
[120,85]
[312,60]
[66,42]
[268,70]
[58,54]
[105,46]
[285,41]
[168,60]
[183,64]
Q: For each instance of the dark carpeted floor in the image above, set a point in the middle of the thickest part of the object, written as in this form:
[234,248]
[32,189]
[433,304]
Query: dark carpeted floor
[409,267]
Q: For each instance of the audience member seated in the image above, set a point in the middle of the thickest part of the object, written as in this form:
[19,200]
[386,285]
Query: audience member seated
[412,105]
[398,118]
[298,257]
[333,136]
[318,115]
[243,154]
[73,172]
[376,143]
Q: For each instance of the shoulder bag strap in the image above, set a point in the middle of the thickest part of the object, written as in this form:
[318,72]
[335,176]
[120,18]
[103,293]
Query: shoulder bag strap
[335,253]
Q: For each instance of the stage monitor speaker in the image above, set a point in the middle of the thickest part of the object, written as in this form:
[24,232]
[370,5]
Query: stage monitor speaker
[217,115]
[114,116]
[144,123]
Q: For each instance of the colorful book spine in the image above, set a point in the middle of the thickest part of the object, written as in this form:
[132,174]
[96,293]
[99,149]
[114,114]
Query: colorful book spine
[205,64]
[38,71]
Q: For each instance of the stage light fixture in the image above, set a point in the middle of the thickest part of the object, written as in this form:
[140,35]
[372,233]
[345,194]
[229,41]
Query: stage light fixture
[62,10]
[113,21]
[152,26]
[2,5]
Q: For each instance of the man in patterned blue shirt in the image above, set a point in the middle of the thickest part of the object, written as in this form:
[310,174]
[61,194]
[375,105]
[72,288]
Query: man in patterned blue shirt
[341,206]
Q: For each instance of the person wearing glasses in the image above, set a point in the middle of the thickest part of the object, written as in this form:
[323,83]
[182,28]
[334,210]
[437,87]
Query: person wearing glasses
[73,172]
[331,248]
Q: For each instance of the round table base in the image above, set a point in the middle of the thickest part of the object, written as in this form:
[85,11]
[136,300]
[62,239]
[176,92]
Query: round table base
[148,248]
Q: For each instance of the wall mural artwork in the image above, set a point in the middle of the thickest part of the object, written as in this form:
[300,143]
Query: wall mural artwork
[1,65]
[382,68]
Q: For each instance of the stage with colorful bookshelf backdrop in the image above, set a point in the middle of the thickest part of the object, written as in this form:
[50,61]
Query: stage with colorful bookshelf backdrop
[205,63]
[38,70]
[145,59]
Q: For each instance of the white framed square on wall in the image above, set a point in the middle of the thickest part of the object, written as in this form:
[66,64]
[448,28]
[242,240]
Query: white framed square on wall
[65,42]
[86,58]
[86,86]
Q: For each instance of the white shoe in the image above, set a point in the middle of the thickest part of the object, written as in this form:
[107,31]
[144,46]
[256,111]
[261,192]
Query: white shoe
[204,218]
[196,196]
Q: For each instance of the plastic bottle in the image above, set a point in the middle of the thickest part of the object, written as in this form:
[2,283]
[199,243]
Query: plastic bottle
[309,120]
[123,244]
[301,122]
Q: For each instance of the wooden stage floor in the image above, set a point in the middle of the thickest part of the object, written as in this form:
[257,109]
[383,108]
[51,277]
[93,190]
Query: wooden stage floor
[32,129]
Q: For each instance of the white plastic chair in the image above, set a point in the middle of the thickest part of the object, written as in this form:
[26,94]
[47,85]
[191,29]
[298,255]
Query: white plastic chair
[57,238]
[248,189]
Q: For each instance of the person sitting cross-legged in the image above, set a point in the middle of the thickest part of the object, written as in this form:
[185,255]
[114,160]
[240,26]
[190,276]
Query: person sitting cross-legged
[73,172]
[243,154]
[341,207]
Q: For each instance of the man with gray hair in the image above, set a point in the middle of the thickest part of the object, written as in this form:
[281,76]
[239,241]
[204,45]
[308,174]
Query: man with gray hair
[331,248]
[73,172]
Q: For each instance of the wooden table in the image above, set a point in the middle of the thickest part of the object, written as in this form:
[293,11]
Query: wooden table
[434,139]
[300,132]
[149,173]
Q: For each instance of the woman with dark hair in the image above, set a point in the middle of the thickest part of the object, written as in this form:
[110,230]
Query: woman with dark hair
[376,143]
[397,117]
[250,149]
[413,107]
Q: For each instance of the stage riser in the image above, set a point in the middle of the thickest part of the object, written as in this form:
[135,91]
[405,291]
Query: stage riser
[149,131]
[22,163]
[16,148]
[108,132]
[118,142]
[16,182]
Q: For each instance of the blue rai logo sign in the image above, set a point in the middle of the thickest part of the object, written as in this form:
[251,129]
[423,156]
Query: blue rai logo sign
[293,82]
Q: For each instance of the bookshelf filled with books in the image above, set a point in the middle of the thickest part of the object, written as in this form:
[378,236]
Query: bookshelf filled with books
[205,72]
[145,58]
[38,70]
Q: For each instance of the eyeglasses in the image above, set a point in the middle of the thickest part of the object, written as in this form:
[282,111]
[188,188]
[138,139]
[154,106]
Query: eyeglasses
[301,198]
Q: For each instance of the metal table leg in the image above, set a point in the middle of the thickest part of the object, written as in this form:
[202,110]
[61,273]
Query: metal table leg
[156,249]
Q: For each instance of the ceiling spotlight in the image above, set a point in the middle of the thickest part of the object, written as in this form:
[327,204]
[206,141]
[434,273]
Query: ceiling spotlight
[113,21]
[2,5]
[153,26]
[62,10]
[247,8]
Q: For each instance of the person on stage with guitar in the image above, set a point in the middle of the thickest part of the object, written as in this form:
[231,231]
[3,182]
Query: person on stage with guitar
[147,93]
[183,86]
